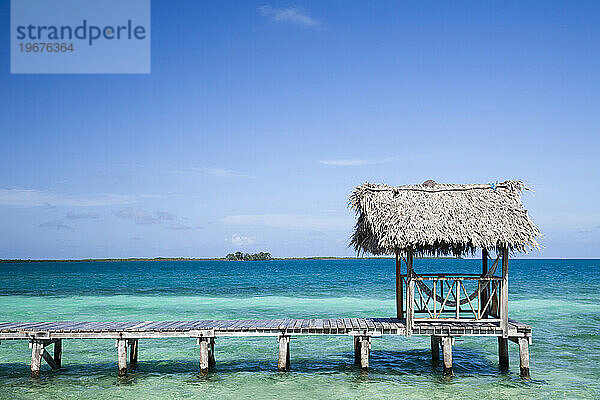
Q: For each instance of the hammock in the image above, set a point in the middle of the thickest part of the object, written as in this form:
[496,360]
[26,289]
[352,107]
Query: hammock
[446,301]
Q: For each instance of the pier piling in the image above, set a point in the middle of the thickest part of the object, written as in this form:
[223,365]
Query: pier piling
[503,353]
[37,349]
[435,349]
[133,353]
[283,363]
[121,346]
[58,353]
[39,352]
[524,357]
[204,344]
[362,350]
[447,350]
[211,353]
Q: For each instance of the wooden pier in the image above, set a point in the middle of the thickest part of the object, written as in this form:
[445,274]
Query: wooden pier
[41,335]
[409,220]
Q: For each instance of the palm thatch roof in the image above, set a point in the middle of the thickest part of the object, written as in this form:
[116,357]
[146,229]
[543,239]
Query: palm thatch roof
[441,219]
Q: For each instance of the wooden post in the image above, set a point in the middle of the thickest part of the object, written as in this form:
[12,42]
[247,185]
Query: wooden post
[524,356]
[484,296]
[49,359]
[204,344]
[362,351]
[494,307]
[133,353]
[37,350]
[121,346]
[410,293]
[503,353]
[447,350]
[283,364]
[211,354]
[58,352]
[504,294]
[399,294]
[435,349]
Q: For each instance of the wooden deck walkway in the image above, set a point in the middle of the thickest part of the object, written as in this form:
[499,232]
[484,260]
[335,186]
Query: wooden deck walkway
[268,327]
[127,334]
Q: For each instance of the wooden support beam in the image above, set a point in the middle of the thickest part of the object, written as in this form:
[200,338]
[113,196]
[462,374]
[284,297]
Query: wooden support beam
[410,293]
[503,353]
[283,363]
[204,344]
[435,349]
[37,351]
[121,346]
[49,359]
[133,353]
[58,352]
[399,288]
[485,292]
[524,356]
[494,304]
[362,351]
[447,350]
[211,354]
[504,294]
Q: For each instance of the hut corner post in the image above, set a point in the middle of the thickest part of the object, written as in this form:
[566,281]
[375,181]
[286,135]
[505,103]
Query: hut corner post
[399,287]
[410,293]
[504,294]
[484,293]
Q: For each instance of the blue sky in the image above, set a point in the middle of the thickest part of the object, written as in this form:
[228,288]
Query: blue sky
[259,118]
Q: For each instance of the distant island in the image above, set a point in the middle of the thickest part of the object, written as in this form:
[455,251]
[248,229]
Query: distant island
[239,256]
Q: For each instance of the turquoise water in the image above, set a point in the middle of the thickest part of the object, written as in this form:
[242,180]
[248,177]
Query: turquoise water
[559,298]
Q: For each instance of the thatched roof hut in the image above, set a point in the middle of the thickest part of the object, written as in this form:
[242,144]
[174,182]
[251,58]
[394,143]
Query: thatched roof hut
[441,219]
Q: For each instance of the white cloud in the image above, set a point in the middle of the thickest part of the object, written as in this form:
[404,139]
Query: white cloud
[221,172]
[83,215]
[289,14]
[213,171]
[293,221]
[56,224]
[166,216]
[354,162]
[139,216]
[142,217]
[179,227]
[240,241]
[37,198]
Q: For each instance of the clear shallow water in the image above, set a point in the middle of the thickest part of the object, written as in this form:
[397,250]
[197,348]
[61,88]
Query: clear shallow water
[558,297]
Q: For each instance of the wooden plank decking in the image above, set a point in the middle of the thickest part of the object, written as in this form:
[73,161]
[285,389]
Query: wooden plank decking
[273,327]
[42,335]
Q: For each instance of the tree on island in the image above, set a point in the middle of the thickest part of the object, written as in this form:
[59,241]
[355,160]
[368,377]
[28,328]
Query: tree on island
[239,256]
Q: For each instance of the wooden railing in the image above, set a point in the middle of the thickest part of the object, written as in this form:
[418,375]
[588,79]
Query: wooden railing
[465,297]
[457,297]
